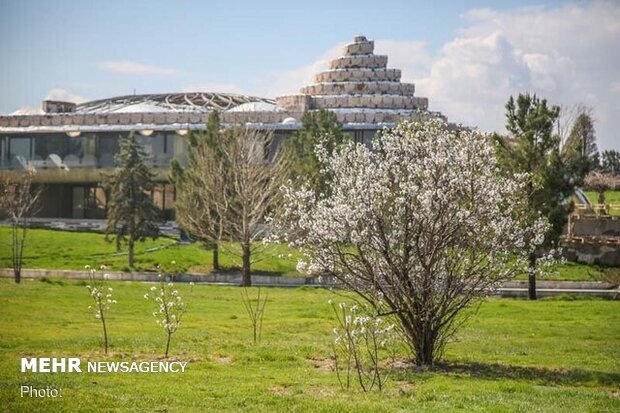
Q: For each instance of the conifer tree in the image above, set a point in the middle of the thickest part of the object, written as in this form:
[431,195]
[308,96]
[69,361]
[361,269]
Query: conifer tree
[132,215]
[534,149]
[319,126]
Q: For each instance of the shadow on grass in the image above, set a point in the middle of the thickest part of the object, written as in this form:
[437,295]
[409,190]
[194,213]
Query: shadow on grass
[537,375]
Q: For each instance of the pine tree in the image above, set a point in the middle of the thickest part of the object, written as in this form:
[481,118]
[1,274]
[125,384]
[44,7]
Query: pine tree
[533,148]
[132,215]
[305,167]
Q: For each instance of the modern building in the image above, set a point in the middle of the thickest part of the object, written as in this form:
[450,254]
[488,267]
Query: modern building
[71,146]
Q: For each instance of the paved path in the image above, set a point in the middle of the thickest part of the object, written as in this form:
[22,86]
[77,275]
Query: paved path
[516,288]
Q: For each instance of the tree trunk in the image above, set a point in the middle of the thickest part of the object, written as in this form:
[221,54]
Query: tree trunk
[168,345]
[216,257]
[16,256]
[531,278]
[425,348]
[130,249]
[247,277]
[105,333]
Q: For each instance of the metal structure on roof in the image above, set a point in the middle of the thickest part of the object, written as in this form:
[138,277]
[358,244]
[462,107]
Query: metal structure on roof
[200,102]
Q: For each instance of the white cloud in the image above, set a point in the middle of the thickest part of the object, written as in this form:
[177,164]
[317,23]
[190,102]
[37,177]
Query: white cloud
[411,57]
[128,67]
[567,54]
[288,82]
[63,96]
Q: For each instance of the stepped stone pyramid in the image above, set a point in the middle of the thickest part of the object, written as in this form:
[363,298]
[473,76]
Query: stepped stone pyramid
[359,80]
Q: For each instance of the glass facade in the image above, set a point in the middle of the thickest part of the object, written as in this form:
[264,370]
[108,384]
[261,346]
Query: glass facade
[89,150]
[75,198]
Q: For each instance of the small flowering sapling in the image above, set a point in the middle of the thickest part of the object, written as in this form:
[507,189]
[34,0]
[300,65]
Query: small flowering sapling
[255,308]
[361,341]
[102,296]
[170,308]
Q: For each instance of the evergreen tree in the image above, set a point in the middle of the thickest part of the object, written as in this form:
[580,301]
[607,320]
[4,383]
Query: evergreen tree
[533,148]
[580,152]
[132,215]
[321,125]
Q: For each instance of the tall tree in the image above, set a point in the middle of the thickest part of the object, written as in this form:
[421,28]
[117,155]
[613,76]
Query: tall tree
[199,206]
[19,200]
[132,215]
[317,126]
[610,162]
[532,148]
[580,153]
[230,188]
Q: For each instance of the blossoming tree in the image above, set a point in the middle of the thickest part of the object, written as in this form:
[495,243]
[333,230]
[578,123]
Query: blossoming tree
[423,223]
[170,308]
[102,298]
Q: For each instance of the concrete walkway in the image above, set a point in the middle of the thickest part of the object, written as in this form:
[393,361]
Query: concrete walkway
[515,288]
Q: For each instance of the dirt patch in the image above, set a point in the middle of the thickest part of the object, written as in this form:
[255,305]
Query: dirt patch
[323,364]
[281,391]
[321,391]
[222,359]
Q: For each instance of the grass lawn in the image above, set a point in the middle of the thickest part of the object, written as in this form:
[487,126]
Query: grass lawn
[611,197]
[72,250]
[511,355]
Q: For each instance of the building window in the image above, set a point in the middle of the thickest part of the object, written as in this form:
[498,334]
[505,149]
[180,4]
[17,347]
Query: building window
[20,151]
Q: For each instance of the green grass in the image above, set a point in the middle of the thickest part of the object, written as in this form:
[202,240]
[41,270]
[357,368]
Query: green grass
[51,249]
[611,197]
[511,355]
[571,271]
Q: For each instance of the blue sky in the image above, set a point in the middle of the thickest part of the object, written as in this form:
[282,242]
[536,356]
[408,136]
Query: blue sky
[94,49]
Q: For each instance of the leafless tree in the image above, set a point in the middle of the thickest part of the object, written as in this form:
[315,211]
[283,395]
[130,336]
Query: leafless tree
[19,200]
[255,307]
[251,190]
[230,189]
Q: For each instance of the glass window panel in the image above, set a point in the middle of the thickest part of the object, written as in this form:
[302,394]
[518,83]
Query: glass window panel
[19,148]
[108,147]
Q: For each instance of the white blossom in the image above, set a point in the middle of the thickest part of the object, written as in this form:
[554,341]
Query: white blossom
[426,211]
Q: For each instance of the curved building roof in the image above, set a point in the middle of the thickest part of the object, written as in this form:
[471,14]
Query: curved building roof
[196,102]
